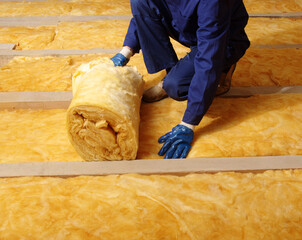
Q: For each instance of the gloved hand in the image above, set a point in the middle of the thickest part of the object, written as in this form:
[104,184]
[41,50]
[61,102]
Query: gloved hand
[177,143]
[119,60]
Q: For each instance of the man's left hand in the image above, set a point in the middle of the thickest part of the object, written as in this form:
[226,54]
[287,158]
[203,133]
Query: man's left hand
[119,60]
[177,143]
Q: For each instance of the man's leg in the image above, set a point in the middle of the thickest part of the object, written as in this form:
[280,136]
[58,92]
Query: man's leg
[153,35]
[237,44]
[225,80]
[178,80]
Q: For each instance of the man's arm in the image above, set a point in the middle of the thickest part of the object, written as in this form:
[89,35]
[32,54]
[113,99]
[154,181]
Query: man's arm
[131,39]
[130,47]
[213,23]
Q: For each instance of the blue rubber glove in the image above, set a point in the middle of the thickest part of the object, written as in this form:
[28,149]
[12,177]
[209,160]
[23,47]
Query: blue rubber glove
[119,60]
[177,143]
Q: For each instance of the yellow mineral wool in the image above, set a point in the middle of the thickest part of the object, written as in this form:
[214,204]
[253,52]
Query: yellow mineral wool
[41,73]
[111,34]
[258,67]
[274,31]
[273,6]
[103,117]
[119,7]
[92,34]
[27,38]
[269,67]
[54,73]
[260,125]
[34,8]
[104,7]
[64,8]
[197,206]
[35,136]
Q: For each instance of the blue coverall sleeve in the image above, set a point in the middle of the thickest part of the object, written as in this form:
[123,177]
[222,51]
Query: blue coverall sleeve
[213,25]
[131,39]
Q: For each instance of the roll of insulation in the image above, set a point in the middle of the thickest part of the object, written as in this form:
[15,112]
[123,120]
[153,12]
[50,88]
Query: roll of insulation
[103,117]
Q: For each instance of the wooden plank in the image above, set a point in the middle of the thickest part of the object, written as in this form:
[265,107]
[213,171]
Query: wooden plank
[276,15]
[148,167]
[62,99]
[56,52]
[277,46]
[7,46]
[35,21]
[66,52]
[35,100]
[250,91]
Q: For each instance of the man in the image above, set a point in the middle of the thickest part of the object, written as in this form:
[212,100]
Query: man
[214,31]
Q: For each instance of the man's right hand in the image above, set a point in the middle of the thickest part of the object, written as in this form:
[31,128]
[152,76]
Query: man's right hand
[119,60]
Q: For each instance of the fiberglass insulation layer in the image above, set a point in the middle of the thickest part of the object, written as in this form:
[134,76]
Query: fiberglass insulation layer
[64,8]
[258,67]
[273,6]
[204,206]
[111,34]
[120,7]
[263,125]
[55,73]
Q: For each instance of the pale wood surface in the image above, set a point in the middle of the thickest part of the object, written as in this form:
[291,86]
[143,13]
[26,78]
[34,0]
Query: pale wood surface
[62,99]
[36,21]
[151,166]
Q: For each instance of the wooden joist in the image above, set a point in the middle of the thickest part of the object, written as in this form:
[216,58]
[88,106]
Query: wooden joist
[6,50]
[33,21]
[62,99]
[56,52]
[150,167]
[7,46]
[35,100]
[276,15]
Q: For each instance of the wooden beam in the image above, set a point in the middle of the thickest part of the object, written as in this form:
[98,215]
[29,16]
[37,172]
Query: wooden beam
[56,52]
[277,46]
[250,91]
[7,46]
[149,167]
[276,15]
[35,100]
[62,99]
[35,21]
[67,52]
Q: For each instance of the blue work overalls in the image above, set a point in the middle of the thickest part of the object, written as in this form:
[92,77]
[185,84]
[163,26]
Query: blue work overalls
[213,29]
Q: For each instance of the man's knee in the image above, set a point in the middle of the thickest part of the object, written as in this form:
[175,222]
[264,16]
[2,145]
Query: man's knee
[145,8]
[173,89]
[138,6]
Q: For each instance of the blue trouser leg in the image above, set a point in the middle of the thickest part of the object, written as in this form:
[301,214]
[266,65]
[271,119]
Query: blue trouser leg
[238,41]
[177,81]
[157,49]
